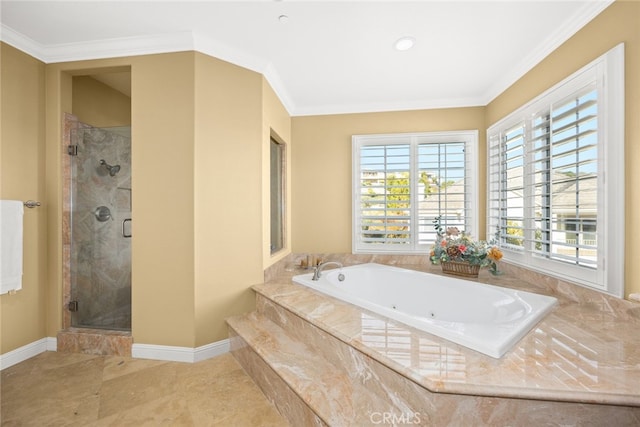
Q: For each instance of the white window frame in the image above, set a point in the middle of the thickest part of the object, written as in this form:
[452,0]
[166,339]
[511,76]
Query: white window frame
[469,137]
[607,72]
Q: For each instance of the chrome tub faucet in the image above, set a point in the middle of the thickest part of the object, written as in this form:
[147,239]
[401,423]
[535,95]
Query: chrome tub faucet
[317,271]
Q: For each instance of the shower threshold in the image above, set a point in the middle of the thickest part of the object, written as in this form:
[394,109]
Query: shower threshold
[103,342]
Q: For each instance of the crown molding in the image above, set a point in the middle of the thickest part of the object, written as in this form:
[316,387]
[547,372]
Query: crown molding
[425,104]
[99,49]
[280,89]
[120,47]
[589,11]
[177,42]
[220,50]
[146,45]
[188,41]
[260,65]
[10,36]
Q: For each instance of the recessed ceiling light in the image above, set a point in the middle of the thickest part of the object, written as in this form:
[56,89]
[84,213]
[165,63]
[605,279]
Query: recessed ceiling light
[404,43]
[283,18]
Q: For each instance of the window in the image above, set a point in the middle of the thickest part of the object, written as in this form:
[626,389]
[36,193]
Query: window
[277,195]
[402,182]
[547,162]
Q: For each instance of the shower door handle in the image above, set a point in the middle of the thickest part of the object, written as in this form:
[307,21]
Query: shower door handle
[124,222]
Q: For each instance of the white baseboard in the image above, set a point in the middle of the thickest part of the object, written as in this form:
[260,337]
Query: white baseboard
[141,351]
[52,344]
[180,354]
[27,352]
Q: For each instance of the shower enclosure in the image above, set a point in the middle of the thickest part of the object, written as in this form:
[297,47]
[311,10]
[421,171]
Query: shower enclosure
[100,228]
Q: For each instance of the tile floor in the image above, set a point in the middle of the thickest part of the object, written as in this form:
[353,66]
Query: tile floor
[66,389]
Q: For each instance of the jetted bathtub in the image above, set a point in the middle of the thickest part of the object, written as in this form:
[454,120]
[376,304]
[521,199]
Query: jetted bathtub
[485,318]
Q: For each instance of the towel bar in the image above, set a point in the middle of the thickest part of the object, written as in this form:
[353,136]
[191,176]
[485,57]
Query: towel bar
[31,204]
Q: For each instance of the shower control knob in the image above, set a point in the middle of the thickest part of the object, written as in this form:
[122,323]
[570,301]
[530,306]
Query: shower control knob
[102,213]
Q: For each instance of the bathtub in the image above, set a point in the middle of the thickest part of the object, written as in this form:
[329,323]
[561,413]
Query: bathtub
[482,317]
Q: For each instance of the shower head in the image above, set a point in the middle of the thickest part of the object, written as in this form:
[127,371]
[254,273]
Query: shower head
[113,170]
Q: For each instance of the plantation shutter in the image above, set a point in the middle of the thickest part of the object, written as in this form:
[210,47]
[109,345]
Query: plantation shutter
[385,194]
[543,186]
[564,176]
[443,188]
[507,186]
[556,178]
[402,183]
[495,198]
[513,192]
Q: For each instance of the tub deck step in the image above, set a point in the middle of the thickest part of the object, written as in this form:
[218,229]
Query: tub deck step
[328,391]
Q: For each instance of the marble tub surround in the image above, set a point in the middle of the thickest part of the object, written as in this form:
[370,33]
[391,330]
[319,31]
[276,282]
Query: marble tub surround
[303,369]
[293,263]
[577,366]
[574,356]
[258,364]
[512,276]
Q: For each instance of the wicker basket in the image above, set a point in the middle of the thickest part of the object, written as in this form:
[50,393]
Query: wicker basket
[460,268]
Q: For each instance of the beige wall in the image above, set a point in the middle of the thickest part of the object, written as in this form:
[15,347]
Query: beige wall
[162,142]
[197,142]
[162,112]
[228,141]
[321,163]
[195,119]
[99,105]
[22,316]
[618,23]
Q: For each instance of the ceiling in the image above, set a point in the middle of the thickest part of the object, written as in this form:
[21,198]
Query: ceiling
[322,57]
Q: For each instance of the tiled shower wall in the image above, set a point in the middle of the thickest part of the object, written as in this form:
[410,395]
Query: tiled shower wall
[99,254]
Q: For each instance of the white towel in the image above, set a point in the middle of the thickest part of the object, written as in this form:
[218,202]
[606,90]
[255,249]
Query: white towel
[11,213]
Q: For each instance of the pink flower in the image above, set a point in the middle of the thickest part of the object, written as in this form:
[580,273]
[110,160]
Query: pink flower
[462,248]
[452,231]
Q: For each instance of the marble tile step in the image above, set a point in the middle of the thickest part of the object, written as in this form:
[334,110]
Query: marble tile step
[328,390]
[323,342]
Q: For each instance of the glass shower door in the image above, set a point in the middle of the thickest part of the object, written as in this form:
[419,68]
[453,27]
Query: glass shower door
[100,267]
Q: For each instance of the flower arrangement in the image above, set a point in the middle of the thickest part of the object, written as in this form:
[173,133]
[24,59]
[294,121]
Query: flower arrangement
[455,246]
